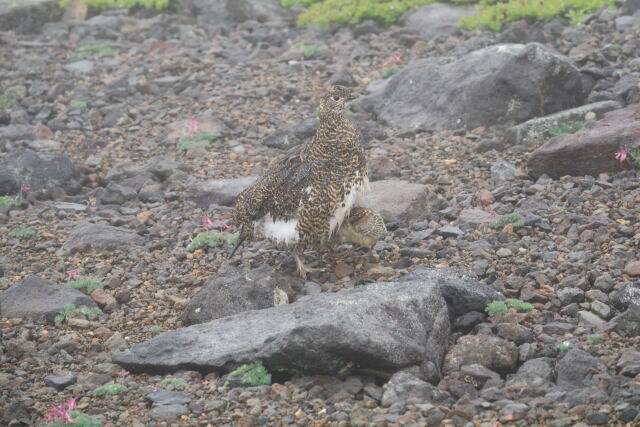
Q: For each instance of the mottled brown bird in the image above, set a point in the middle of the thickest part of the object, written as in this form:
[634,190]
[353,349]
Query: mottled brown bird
[364,227]
[301,201]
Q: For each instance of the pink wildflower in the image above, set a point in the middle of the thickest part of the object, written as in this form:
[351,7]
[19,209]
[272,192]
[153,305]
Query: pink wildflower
[194,126]
[122,373]
[72,274]
[71,404]
[622,154]
[59,412]
[25,188]
[393,59]
[214,224]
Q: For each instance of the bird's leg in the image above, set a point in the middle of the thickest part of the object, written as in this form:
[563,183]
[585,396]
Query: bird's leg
[302,269]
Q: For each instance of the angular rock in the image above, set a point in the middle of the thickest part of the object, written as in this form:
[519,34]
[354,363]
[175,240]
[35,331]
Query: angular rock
[590,151]
[404,386]
[87,235]
[535,376]
[398,200]
[501,172]
[626,296]
[382,327]
[166,397]
[168,412]
[535,131]
[576,369]
[632,268]
[39,299]
[60,382]
[17,133]
[491,352]
[295,135]
[238,291]
[40,171]
[628,323]
[460,288]
[436,19]
[221,192]
[223,13]
[501,84]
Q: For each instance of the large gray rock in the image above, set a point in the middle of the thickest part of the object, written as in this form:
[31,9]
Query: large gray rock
[437,19]
[577,369]
[591,150]
[489,351]
[398,200]
[404,386]
[381,328]
[219,192]
[460,289]
[40,171]
[39,299]
[500,84]
[535,377]
[536,131]
[238,291]
[87,235]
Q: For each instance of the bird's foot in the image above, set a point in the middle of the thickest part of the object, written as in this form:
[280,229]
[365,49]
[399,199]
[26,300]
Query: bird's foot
[303,269]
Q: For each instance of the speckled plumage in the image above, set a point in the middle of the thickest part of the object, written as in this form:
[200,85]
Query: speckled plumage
[364,227]
[302,200]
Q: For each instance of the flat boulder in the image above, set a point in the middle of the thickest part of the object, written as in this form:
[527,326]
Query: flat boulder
[87,235]
[398,200]
[221,192]
[591,150]
[499,84]
[237,291]
[381,328]
[39,300]
[40,171]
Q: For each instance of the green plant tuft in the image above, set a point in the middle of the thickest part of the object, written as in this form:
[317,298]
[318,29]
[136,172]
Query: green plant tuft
[635,156]
[8,201]
[252,374]
[89,284]
[81,420]
[594,339]
[79,105]
[173,381]
[515,219]
[109,388]
[564,346]
[493,14]
[154,328]
[6,101]
[93,50]
[388,72]
[71,308]
[212,239]
[309,51]
[499,308]
[496,308]
[564,128]
[23,233]
[201,139]
[121,4]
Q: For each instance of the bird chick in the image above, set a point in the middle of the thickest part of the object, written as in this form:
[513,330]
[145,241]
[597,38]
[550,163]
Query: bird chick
[363,227]
[302,200]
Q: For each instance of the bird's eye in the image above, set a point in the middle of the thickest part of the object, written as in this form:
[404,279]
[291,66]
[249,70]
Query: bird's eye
[336,98]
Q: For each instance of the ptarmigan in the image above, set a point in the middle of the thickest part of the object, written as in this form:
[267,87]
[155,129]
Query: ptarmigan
[302,200]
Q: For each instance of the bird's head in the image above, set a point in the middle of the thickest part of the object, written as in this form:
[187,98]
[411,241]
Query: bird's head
[335,100]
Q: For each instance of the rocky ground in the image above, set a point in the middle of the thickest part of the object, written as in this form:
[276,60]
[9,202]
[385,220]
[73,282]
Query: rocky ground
[94,144]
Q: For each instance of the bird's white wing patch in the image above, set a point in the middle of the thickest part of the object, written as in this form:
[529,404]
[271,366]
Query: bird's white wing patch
[281,231]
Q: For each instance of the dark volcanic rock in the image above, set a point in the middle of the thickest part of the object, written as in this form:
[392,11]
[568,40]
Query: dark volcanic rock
[219,192]
[87,235]
[576,369]
[40,171]
[436,19]
[404,386]
[39,299]
[495,85]
[491,352]
[591,150]
[237,291]
[382,327]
